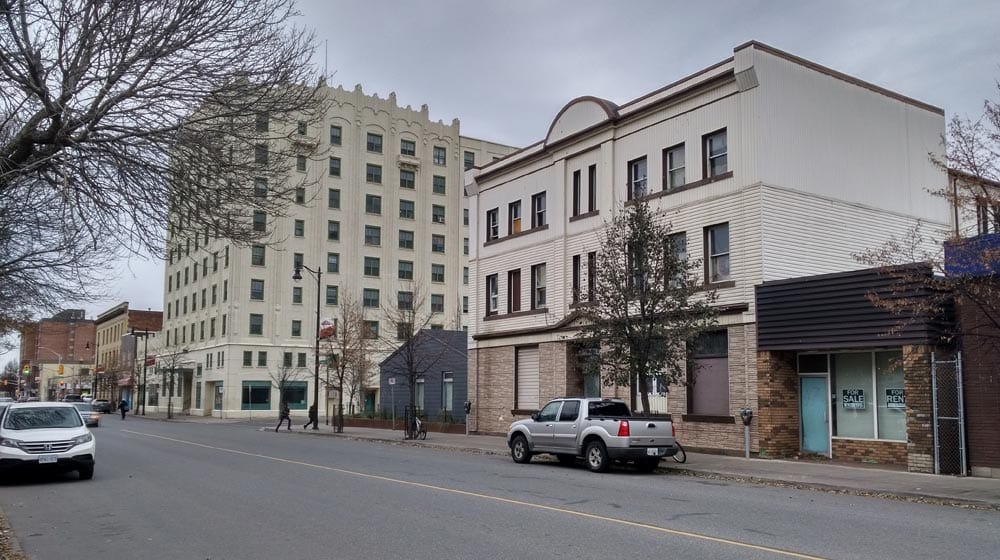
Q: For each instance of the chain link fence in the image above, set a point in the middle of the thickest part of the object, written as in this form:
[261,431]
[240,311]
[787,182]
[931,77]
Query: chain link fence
[949,415]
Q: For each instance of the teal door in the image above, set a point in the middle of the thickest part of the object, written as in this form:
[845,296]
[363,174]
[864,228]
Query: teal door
[815,418]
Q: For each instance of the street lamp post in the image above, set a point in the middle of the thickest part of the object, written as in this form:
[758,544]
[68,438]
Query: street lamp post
[145,357]
[319,275]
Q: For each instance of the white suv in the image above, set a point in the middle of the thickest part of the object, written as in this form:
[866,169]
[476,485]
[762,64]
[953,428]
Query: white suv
[46,435]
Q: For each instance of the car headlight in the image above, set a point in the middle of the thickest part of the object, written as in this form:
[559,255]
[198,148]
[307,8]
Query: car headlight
[83,439]
[7,442]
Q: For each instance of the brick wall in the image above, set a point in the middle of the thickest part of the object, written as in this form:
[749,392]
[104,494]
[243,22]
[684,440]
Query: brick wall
[868,451]
[491,388]
[919,408]
[145,320]
[981,381]
[778,399]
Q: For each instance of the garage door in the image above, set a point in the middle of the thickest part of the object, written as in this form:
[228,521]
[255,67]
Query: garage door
[526,378]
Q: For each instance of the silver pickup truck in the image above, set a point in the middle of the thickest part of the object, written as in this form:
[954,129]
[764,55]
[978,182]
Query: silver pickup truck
[599,430]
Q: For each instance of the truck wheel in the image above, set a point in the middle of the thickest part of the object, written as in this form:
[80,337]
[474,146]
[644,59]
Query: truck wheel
[86,473]
[597,456]
[566,459]
[519,449]
[647,465]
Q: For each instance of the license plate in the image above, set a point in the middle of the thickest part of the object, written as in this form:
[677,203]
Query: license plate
[48,459]
[654,451]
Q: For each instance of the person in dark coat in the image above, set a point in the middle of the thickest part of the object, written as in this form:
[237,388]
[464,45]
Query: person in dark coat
[285,414]
[313,417]
[123,406]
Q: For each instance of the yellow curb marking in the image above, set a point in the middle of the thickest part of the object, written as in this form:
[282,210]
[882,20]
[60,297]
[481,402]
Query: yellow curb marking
[595,517]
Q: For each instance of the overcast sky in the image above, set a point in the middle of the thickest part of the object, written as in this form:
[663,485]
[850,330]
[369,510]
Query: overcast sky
[506,68]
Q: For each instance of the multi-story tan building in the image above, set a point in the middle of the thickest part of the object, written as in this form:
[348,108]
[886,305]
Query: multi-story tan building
[58,353]
[382,209]
[116,331]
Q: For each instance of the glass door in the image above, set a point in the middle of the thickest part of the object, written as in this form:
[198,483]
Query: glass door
[814,411]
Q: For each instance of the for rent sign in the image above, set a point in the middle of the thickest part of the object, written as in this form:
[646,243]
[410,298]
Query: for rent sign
[854,399]
[895,398]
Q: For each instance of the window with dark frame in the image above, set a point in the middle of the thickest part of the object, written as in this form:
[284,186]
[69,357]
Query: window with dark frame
[332,230]
[333,199]
[717,253]
[262,359]
[440,155]
[332,295]
[259,221]
[405,239]
[407,209]
[300,360]
[576,278]
[336,136]
[296,294]
[260,187]
[576,192]
[296,328]
[371,329]
[405,270]
[492,224]
[407,147]
[370,298]
[373,173]
[256,290]
[372,266]
[437,303]
[438,185]
[492,294]
[537,210]
[538,286]
[437,273]
[407,179]
[592,188]
[716,152]
[300,228]
[300,163]
[335,167]
[373,204]
[513,290]
[260,154]
[373,236]
[677,245]
[333,262]
[514,217]
[437,243]
[708,378]
[437,213]
[591,275]
[262,122]
[637,176]
[674,167]
[374,143]
[256,323]
[469,160]
[404,300]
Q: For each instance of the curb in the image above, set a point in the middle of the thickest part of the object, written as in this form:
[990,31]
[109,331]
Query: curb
[9,543]
[412,443]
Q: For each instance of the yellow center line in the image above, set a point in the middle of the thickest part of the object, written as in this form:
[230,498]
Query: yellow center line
[592,516]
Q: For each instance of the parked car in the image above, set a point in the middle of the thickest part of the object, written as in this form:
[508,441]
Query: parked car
[599,430]
[46,435]
[91,417]
[103,406]
[72,398]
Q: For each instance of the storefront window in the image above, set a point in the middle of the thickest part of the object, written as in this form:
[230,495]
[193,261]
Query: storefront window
[295,395]
[890,395]
[851,380]
[256,395]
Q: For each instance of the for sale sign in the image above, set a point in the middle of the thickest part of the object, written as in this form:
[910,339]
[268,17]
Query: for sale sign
[895,398]
[854,399]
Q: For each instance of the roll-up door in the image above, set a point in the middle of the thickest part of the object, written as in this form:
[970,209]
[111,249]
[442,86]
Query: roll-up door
[526,379]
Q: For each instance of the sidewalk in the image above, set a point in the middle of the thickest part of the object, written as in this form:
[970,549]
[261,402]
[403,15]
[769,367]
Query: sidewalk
[861,480]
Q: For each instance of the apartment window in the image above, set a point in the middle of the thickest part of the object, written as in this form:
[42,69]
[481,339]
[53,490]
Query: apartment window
[373,173]
[513,290]
[335,167]
[215,291]
[717,252]
[211,327]
[469,159]
[223,329]
[296,294]
[170,284]
[369,297]
[261,122]
[372,266]
[514,217]
[373,204]
[257,255]
[537,210]
[577,192]
[406,209]
[419,392]
[333,199]
[336,135]
[492,294]
[262,359]
[259,221]
[405,270]
[437,303]
[333,230]
[257,289]
[300,228]
[465,216]
[373,235]
[538,286]
[260,154]
[247,358]
[300,360]
[440,155]
[437,214]
[404,300]
[296,328]
[716,153]
[576,278]
[256,323]
[404,330]
[371,329]
[437,273]
[407,179]
[225,258]
[673,167]
[465,304]
[374,143]
[465,275]
[708,379]
[465,245]
[437,243]
[215,261]
[300,164]
[332,295]
[405,239]
[297,260]
[225,291]
[260,187]
[592,188]
[637,178]
[407,147]
[301,129]
[333,262]
[492,224]
[439,185]
[286,360]
[987,217]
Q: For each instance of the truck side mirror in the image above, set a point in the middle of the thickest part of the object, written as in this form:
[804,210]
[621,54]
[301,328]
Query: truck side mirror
[746,415]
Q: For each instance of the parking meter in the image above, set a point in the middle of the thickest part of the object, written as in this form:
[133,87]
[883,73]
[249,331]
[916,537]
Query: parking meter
[468,407]
[746,415]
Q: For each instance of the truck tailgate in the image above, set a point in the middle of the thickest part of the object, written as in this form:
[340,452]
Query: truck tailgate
[650,432]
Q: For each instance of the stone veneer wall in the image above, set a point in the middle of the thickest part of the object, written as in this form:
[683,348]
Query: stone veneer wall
[919,408]
[778,399]
[870,451]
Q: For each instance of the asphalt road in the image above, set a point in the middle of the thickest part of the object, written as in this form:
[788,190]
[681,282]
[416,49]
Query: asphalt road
[230,491]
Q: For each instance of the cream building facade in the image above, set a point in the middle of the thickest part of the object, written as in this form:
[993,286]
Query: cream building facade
[383,209]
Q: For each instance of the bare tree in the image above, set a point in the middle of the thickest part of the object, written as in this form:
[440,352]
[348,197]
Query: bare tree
[343,349]
[120,118]
[283,377]
[647,303]
[9,376]
[169,365]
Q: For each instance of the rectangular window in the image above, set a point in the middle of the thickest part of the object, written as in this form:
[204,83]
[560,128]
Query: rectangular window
[302,128]
[637,178]
[300,164]
[577,192]
[257,255]
[592,188]
[538,286]
[332,294]
[247,358]
[296,328]
[465,304]
[405,239]
[373,204]
[465,216]
[407,147]
[406,209]
[333,199]
[514,217]
[297,260]
[261,122]
[405,271]
[371,329]
[260,187]
[513,290]
[440,155]
[225,291]
[373,235]
[370,297]
[335,167]
[437,273]
[215,261]
[437,303]
[465,245]
[256,323]
[404,330]
[404,300]
[372,266]
[336,135]
[333,262]
[260,154]
[295,394]
[373,173]
[257,289]
[286,359]
[223,329]
[262,359]
[576,278]
[300,360]
[296,294]
[437,243]
[717,253]
[448,391]
[211,327]
[215,292]
[437,214]
[469,159]
[708,376]
[492,224]
[438,185]
[300,228]
[537,210]
[259,221]
[419,393]
[333,230]
[201,330]
[374,143]
[673,167]
[492,294]
[407,179]
[716,153]
[465,275]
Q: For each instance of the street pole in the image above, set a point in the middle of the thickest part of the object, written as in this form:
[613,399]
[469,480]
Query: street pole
[318,273]
[145,358]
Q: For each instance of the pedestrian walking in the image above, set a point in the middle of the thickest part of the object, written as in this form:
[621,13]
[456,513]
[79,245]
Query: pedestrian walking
[285,414]
[123,406]
[313,417]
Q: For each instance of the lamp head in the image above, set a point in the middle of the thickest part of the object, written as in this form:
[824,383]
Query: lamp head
[298,274]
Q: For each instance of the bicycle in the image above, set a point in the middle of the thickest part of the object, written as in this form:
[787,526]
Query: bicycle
[680,456]
[421,429]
